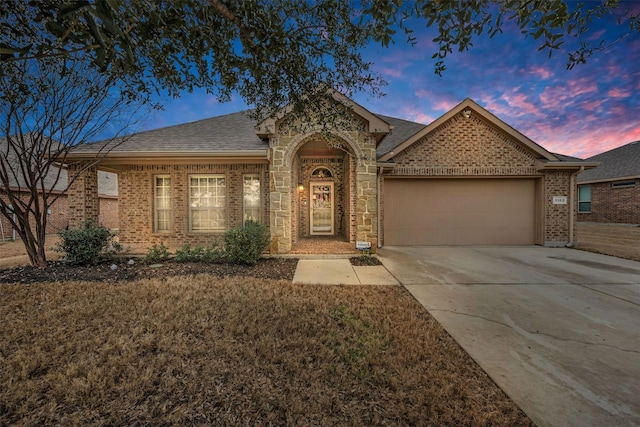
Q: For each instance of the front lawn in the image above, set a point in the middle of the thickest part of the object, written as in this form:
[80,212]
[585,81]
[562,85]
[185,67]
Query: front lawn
[234,351]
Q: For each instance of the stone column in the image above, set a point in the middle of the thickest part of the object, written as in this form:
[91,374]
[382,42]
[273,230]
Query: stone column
[367,203]
[280,201]
[84,204]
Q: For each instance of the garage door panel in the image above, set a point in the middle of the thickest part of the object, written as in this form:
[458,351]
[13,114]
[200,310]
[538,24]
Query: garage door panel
[459,211]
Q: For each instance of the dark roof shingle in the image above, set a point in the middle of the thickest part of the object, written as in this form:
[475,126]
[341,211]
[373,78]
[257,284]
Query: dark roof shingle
[618,163]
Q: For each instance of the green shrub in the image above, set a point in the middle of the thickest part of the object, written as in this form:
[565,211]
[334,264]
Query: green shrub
[213,253]
[157,253]
[244,245]
[189,254]
[88,245]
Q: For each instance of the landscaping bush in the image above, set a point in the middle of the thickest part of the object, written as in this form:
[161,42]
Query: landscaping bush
[245,245]
[88,245]
[157,253]
[213,253]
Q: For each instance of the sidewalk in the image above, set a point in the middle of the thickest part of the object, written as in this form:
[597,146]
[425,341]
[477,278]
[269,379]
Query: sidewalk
[340,272]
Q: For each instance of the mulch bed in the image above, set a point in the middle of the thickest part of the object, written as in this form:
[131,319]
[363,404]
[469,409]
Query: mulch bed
[60,271]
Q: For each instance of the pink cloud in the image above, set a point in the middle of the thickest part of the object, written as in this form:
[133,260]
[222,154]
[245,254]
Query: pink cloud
[553,97]
[582,86]
[420,117]
[392,72]
[519,105]
[590,106]
[619,93]
[542,72]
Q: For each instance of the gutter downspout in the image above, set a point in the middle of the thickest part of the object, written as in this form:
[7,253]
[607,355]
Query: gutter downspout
[378,201]
[572,194]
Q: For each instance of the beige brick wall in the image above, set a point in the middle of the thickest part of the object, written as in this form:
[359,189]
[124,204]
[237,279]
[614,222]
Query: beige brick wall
[83,197]
[462,147]
[109,211]
[472,147]
[556,217]
[57,220]
[135,189]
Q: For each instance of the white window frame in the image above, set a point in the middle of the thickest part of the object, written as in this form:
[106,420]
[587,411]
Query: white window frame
[161,203]
[581,201]
[251,211]
[209,202]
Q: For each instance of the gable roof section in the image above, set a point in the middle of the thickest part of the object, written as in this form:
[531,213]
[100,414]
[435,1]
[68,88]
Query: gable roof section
[229,135]
[617,164]
[376,124]
[465,105]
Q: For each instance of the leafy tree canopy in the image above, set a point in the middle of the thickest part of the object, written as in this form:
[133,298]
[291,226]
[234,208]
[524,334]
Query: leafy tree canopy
[272,52]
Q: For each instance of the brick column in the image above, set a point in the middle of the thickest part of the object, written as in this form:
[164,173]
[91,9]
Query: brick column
[84,204]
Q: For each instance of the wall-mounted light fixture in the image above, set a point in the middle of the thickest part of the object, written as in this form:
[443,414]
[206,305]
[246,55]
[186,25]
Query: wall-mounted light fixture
[300,187]
[466,113]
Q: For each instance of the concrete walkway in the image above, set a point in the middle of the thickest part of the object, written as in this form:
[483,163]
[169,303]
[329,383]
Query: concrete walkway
[340,272]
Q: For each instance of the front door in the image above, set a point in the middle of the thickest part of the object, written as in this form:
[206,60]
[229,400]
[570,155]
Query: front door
[321,208]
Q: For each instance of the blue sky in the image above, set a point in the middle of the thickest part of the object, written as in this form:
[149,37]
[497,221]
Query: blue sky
[581,112]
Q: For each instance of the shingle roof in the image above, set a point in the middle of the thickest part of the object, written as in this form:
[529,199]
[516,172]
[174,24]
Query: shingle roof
[107,182]
[51,180]
[621,162]
[231,132]
[234,133]
[402,130]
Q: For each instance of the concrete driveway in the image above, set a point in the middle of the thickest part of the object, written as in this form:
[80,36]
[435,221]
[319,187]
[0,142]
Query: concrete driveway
[557,329]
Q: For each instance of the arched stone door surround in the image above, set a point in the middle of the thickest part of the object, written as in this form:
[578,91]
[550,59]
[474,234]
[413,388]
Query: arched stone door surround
[284,182]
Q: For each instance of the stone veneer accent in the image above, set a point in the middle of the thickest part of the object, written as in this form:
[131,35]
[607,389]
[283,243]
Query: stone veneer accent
[473,148]
[283,148]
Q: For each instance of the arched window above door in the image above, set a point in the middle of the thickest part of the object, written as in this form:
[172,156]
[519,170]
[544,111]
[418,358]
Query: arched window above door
[321,173]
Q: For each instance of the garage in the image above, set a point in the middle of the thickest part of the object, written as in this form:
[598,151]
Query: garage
[459,212]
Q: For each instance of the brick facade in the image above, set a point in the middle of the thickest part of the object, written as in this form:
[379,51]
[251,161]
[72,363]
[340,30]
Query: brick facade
[613,205]
[57,219]
[108,215]
[463,146]
[135,189]
[83,196]
[473,148]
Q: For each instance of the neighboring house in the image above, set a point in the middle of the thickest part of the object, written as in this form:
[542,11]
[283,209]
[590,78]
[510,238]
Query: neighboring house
[58,219]
[611,192]
[467,178]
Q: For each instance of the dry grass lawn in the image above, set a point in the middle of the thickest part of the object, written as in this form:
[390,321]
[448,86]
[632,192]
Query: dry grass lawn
[619,240]
[237,351]
[12,253]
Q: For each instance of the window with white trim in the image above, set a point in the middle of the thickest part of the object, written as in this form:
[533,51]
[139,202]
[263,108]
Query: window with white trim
[162,204]
[250,198]
[584,198]
[207,203]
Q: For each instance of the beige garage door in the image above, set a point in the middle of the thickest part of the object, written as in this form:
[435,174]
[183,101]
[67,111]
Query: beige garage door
[459,212]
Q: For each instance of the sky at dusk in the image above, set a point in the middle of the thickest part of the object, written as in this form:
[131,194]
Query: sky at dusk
[581,112]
